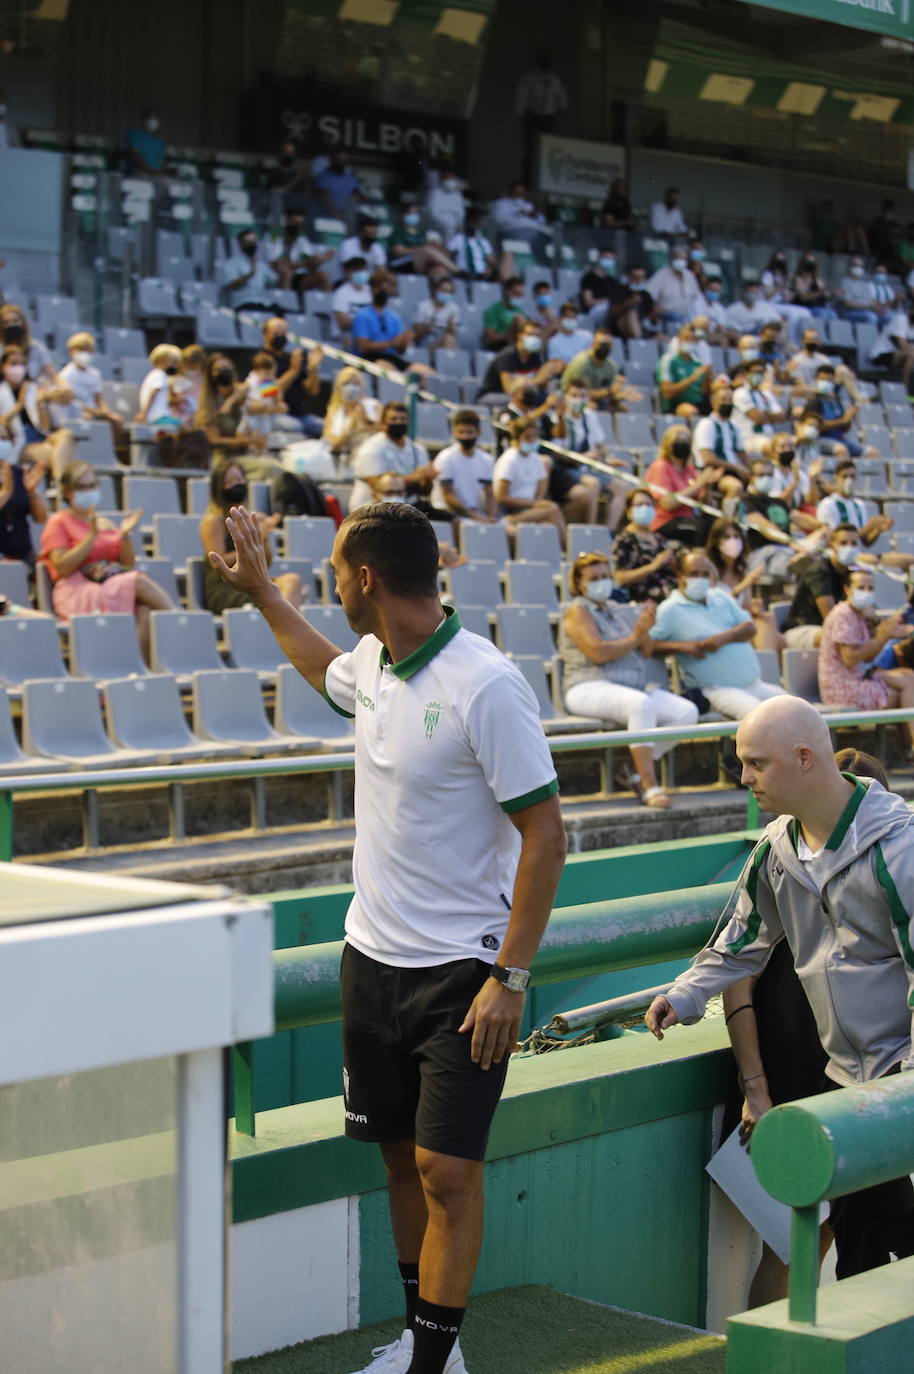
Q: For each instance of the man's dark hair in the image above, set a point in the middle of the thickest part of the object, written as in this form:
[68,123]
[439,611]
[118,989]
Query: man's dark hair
[398,543]
[845,528]
[520,426]
[366,221]
[826,367]
[510,282]
[465,417]
[538,284]
[351,264]
[392,405]
[844,465]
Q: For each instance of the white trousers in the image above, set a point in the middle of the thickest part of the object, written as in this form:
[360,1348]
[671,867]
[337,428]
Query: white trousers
[737,702]
[631,708]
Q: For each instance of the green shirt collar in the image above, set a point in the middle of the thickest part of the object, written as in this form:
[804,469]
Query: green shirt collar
[445,632]
[845,821]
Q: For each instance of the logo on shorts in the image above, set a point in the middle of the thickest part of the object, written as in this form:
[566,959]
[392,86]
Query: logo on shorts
[433,711]
[345,1085]
[490,942]
[358,1117]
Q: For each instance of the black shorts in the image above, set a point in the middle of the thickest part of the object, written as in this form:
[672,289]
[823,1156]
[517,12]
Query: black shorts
[407,1074]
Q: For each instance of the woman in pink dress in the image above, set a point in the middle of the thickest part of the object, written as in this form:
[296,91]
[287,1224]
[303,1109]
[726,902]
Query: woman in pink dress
[91,563]
[852,638]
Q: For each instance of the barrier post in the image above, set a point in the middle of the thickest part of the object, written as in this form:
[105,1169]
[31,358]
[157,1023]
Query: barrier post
[804,1264]
[6,827]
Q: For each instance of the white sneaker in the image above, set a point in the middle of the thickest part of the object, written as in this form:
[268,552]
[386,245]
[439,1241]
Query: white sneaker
[391,1359]
[455,1364]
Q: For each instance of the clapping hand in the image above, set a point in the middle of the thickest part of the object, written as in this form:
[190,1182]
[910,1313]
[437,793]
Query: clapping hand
[129,523]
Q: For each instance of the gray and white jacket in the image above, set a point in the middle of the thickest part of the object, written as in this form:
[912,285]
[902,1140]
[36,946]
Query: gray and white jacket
[851,941]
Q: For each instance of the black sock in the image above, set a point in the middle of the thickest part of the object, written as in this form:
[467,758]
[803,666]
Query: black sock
[409,1273]
[436,1330]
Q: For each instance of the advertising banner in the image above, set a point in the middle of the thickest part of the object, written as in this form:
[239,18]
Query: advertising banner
[577,167]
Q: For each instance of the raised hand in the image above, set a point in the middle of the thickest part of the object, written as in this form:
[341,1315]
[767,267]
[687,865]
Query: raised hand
[250,573]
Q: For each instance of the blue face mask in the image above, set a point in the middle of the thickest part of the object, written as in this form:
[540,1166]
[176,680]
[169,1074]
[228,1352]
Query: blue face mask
[442,297]
[528,446]
[697,588]
[411,220]
[360,278]
[712,295]
[543,299]
[608,265]
[642,515]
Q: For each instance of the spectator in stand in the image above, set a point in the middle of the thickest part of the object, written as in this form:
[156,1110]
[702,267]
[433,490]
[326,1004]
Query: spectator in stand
[192,374]
[675,291]
[726,549]
[529,403]
[446,205]
[522,362]
[710,634]
[750,312]
[574,426]
[351,295]
[302,388]
[378,333]
[352,415]
[570,339]
[805,362]
[776,290]
[666,217]
[672,476]
[14,333]
[263,403]
[219,413]
[291,177]
[365,243]
[603,650]
[391,450]
[543,315]
[248,279]
[474,254]
[146,147]
[843,508]
[821,580]
[894,346]
[770,522]
[809,289]
[771,351]
[463,474]
[294,258]
[20,501]
[790,482]
[92,563]
[595,368]
[716,311]
[596,287]
[852,639]
[617,208]
[642,558]
[629,307]
[497,318]
[438,318]
[521,478]
[229,487]
[159,399]
[516,217]
[717,441]
[24,416]
[81,377]
[337,187]
[684,381]
[411,250]
[865,300]
[757,409]
[697,260]
[836,411]
[884,232]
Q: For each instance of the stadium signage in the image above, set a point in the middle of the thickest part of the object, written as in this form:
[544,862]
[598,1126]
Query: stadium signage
[894,18]
[390,133]
[578,167]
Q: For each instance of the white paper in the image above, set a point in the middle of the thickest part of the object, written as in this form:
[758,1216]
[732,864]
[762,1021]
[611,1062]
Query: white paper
[733,1172]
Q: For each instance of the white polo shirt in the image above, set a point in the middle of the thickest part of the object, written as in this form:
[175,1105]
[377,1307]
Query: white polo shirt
[522,471]
[448,745]
[837,510]
[468,473]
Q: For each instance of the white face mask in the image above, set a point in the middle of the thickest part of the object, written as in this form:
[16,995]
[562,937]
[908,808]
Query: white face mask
[84,498]
[6,449]
[82,357]
[450,184]
[809,432]
[599,589]
[824,386]
[642,515]
[529,342]
[152,125]
[763,482]
[569,323]
[856,271]
[748,355]
[350,391]
[860,598]
[678,264]
[697,588]
[847,554]
[846,486]
[731,547]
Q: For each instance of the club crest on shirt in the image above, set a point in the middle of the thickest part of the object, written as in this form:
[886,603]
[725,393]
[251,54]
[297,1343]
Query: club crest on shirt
[433,711]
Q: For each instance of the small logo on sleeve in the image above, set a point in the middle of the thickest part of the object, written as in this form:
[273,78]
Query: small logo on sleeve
[490,942]
[433,711]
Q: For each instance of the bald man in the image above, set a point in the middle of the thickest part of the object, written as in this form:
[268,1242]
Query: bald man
[834,876]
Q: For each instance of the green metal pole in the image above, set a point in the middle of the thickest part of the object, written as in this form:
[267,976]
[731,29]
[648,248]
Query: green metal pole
[6,827]
[804,1264]
[243,1078]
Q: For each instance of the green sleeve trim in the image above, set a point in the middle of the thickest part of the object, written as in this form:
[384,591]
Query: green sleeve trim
[836,837]
[750,934]
[530,798]
[900,918]
[330,702]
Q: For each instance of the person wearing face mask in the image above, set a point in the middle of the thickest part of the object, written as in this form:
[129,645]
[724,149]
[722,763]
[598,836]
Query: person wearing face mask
[717,440]
[836,413]
[365,243]
[517,217]
[571,338]
[218,418]
[350,296]
[247,278]
[769,522]
[305,393]
[159,402]
[671,476]
[438,318]
[616,211]
[630,308]
[809,289]
[856,296]
[463,474]
[596,370]
[716,311]
[711,635]
[15,333]
[522,362]
[337,187]
[391,450]
[750,312]
[498,317]
[229,487]
[146,147]
[775,290]
[21,500]
[852,639]
[894,346]
[527,402]
[821,580]
[683,380]
[475,255]
[572,424]
[727,548]
[352,415]
[666,215]
[642,558]
[604,647]
[675,291]
[543,313]
[756,408]
[297,262]
[379,333]
[521,478]
[92,563]
[842,507]
[412,250]
[596,287]
[81,378]
[25,417]
[446,205]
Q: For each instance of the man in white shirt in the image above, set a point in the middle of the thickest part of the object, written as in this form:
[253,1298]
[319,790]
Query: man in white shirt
[857,296]
[750,312]
[666,217]
[448,747]
[894,346]
[248,280]
[570,339]
[756,408]
[474,254]
[675,291]
[844,508]
[716,439]
[540,91]
[390,450]
[446,206]
[463,482]
[295,259]
[365,244]
[438,318]
[350,296]
[517,217]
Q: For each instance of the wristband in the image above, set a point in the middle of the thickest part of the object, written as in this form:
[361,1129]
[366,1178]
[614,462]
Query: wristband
[752,1076]
[747,1006]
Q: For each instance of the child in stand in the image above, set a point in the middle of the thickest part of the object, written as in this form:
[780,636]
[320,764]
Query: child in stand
[264,398]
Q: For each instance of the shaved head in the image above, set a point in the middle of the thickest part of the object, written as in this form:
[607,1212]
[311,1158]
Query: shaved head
[787,722]
[785,752]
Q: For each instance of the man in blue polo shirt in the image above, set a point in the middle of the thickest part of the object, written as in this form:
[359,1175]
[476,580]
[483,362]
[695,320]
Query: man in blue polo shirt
[337,185]
[379,333]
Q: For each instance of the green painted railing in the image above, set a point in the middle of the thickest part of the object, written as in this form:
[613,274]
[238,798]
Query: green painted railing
[820,1148]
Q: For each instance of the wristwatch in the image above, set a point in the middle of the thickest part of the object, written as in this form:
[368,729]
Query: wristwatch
[514,979]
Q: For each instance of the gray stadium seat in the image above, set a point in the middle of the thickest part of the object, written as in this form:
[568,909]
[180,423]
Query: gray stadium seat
[13,760]
[890,591]
[432,423]
[800,673]
[104,647]
[14,582]
[309,536]
[587,539]
[453,362]
[97,447]
[900,417]
[487,542]
[534,671]
[130,343]
[476,620]
[176,537]
[893,393]
[524,630]
[146,713]
[153,496]
[156,297]
[540,543]
[183,642]
[902,513]
[63,720]
[216,328]
[228,707]
[302,711]
[332,623]
[250,641]
[768,666]
[194,584]
[29,648]
[161,571]
[196,496]
[475,584]
[530,584]
[904,443]
[635,431]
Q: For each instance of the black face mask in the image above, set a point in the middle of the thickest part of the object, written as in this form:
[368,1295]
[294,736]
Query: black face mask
[380,298]
[223,378]
[279,342]
[249,248]
[170,371]
[681,448]
[397,429]
[14,334]
[236,495]
[725,410]
[786,457]
[601,351]
[468,444]
[530,396]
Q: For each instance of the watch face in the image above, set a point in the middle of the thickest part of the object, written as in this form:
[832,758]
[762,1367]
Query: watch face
[517,979]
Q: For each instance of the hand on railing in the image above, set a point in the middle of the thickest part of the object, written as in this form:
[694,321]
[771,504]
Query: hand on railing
[660,1015]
